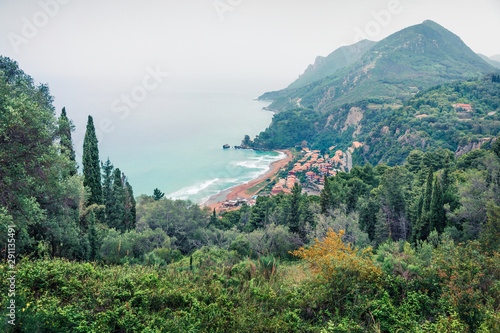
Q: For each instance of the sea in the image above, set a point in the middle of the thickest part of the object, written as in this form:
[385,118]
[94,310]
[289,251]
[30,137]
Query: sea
[174,140]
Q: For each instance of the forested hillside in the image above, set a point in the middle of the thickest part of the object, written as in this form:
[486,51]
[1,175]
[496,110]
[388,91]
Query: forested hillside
[390,131]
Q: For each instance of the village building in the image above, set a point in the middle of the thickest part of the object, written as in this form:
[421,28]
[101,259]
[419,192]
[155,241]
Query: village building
[466,107]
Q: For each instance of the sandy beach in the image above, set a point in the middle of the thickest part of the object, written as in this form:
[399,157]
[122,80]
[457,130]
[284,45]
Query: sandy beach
[240,191]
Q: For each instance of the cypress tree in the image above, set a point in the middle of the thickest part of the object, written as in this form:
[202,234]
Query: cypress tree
[107,188]
[294,214]
[490,236]
[326,197]
[495,147]
[65,128]
[437,218]
[446,179]
[420,205]
[130,210]
[422,229]
[307,214]
[213,219]
[368,216]
[91,168]
[92,237]
[117,203]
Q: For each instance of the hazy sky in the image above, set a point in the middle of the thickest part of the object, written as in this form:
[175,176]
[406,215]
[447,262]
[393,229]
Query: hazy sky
[268,41]
[110,58]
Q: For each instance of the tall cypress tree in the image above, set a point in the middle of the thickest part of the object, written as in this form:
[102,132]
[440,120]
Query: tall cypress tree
[117,203]
[294,214]
[437,218]
[130,210]
[213,219]
[422,229]
[65,128]
[307,215]
[91,168]
[107,188]
[326,197]
[92,237]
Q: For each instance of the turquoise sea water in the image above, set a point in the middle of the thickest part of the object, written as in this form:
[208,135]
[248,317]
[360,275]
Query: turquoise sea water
[174,143]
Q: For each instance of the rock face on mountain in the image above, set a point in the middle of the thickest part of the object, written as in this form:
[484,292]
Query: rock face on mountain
[412,59]
[472,145]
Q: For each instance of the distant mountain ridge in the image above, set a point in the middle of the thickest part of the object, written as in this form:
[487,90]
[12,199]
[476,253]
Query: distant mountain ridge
[329,65]
[396,67]
[490,61]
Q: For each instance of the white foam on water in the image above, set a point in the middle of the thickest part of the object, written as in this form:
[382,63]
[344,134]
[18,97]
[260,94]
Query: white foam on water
[253,168]
[186,192]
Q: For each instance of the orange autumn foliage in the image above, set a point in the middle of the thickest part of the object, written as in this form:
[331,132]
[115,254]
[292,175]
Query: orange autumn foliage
[332,258]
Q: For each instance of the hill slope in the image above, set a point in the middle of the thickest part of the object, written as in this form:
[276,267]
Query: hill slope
[389,132]
[329,65]
[412,59]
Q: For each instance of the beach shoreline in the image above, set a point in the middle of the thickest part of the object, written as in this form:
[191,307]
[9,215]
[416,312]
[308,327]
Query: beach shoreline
[215,201]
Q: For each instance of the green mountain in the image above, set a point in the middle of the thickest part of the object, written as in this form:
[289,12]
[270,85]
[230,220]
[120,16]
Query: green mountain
[396,67]
[329,65]
[495,57]
[490,61]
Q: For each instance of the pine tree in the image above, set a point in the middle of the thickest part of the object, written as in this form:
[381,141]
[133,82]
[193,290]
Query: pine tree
[437,218]
[117,203]
[157,194]
[326,197]
[65,128]
[259,214]
[91,169]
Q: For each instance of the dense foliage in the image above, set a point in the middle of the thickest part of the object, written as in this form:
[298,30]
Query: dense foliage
[411,247]
[55,210]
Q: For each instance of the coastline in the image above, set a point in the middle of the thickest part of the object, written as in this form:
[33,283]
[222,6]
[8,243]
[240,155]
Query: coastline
[215,201]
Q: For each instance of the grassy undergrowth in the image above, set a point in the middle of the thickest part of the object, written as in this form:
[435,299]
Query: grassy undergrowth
[428,288]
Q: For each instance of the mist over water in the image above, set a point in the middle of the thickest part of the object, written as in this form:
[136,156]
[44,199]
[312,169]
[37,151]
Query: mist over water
[173,140]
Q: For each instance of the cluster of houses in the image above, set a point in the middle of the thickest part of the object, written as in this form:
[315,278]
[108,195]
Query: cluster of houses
[239,201]
[314,167]
[284,185]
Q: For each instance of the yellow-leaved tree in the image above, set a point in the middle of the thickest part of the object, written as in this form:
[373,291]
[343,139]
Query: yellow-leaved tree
[340,263]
